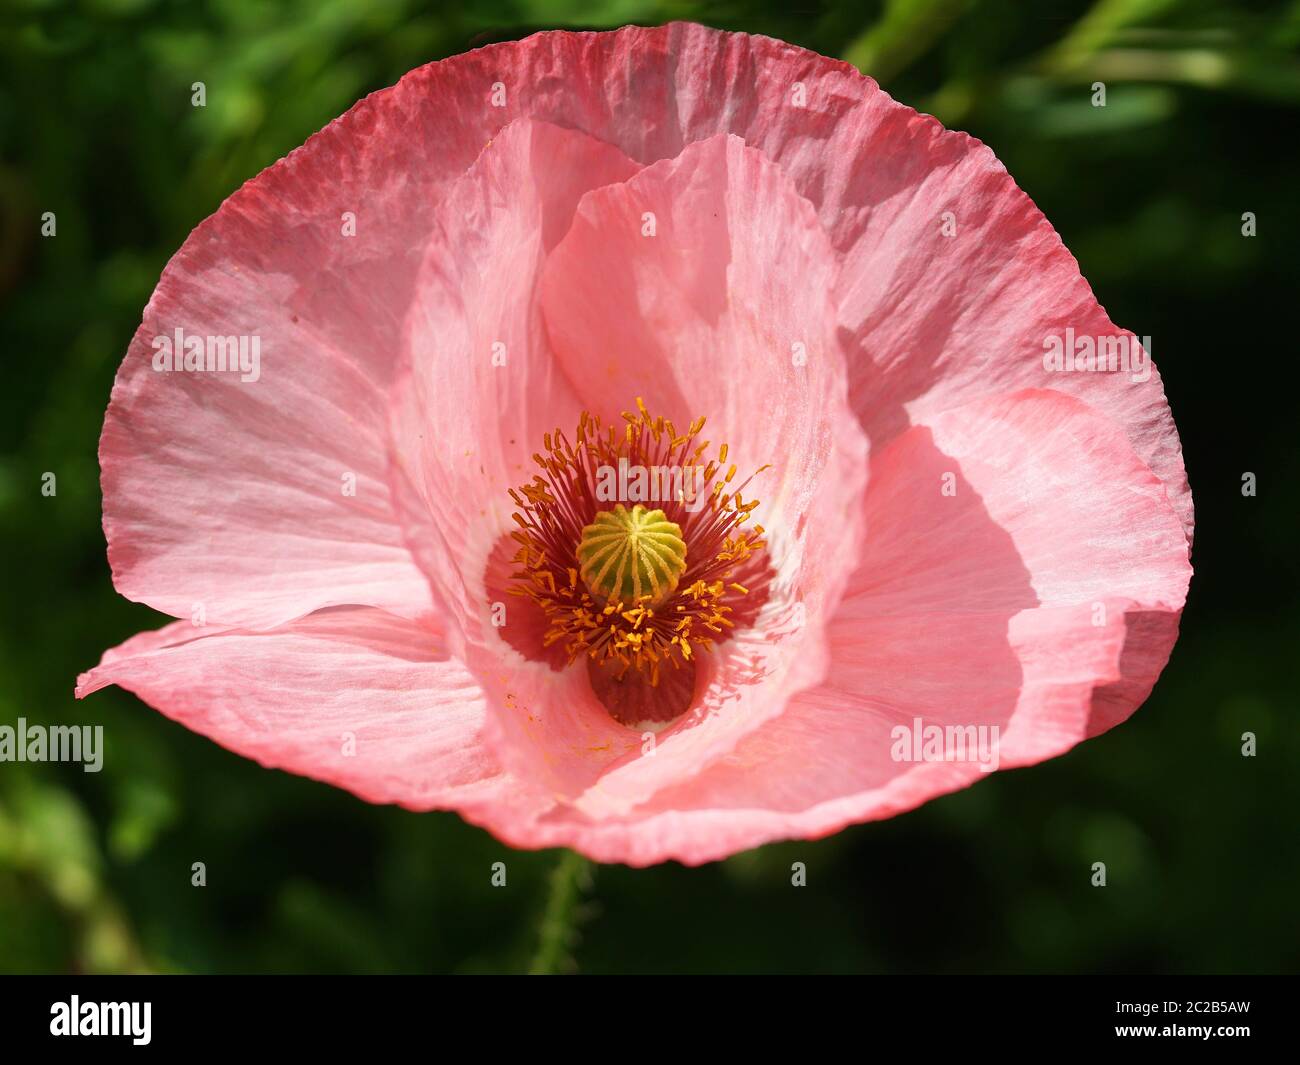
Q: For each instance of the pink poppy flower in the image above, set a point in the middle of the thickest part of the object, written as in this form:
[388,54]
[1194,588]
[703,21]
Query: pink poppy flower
[410,535]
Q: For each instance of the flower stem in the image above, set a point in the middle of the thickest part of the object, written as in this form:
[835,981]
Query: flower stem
[569,879]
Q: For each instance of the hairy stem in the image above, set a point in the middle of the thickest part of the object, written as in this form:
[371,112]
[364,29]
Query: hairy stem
[569,879]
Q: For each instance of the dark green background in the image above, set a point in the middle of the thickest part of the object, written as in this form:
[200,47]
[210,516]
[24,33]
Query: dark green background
[1148,192]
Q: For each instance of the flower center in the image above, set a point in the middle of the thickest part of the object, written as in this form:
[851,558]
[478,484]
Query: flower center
[628,542]
[632,556]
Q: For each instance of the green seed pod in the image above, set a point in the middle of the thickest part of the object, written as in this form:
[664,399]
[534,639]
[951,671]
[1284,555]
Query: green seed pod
[626,555]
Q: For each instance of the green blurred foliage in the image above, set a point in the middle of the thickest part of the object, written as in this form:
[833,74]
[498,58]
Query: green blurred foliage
[1148,192]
